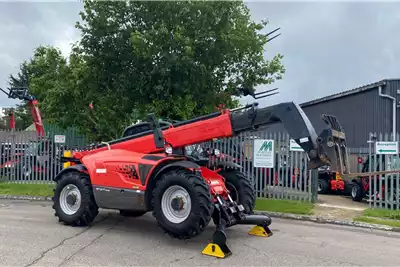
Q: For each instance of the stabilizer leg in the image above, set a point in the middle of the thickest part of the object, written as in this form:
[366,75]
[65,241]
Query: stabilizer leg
[218,247]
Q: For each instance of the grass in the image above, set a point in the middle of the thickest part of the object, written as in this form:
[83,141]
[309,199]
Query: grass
[42,190]
[380,216]
[383,213]
[393,223]
[284,206]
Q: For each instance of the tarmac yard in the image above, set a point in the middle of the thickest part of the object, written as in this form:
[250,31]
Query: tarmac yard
[31,236]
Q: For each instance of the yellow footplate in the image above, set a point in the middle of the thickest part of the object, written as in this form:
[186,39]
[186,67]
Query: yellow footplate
[215,250]
[260,231]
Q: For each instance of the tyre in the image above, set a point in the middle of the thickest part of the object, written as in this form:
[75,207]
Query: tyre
[182,203]
[74,202]
[241,188]
[323,186]
[356,192]
[132,213]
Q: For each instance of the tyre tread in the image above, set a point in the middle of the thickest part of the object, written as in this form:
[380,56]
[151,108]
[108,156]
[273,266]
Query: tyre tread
[246,189]
[203,196]
[90,209]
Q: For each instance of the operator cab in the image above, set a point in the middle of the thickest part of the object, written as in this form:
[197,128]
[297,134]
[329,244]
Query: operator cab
[144,127]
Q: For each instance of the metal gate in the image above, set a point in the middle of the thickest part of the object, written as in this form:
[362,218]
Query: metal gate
[382,191]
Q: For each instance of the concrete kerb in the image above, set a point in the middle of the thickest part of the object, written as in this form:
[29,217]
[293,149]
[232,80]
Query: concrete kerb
[30,198]
[322,220]
[290,216]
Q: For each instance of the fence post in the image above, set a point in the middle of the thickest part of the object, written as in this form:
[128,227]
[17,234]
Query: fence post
[314,185]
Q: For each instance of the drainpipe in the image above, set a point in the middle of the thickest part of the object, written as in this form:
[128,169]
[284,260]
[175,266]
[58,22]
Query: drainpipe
[394,111]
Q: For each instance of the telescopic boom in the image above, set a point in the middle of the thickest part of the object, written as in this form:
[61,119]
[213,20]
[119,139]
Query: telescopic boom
[328,148]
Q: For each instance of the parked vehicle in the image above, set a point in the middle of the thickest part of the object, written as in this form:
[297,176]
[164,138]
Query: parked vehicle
[332,182]
[361,185]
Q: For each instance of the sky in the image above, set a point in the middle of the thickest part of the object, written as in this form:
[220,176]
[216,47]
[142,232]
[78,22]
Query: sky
[327,47]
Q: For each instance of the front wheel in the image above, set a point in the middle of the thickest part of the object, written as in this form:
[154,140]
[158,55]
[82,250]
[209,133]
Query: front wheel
[74,202]
[182,204]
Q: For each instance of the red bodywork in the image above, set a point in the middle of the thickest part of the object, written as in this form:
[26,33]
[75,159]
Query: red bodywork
[113,168]
[105,167]
[337,185]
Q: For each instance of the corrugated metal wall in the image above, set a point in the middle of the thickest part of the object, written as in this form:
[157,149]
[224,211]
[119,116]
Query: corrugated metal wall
[359,114]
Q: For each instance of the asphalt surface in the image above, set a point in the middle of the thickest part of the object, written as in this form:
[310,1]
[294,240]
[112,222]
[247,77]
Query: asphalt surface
[30,235]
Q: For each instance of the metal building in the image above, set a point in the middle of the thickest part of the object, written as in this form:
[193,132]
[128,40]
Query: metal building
[361,110]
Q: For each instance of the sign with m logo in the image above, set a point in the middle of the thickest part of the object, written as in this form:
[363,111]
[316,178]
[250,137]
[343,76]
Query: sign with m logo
[266,146]
[264,153]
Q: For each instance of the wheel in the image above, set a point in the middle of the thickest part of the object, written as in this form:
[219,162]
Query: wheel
[241,189]
[182,203]
[356,192]
[323,186]
[132,213]
[74,202]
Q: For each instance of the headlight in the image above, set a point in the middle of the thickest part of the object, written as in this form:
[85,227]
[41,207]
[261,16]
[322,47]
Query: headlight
[217,152]
[168,150]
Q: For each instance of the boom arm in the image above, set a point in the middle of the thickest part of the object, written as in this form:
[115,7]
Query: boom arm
[22,94]
[326,149]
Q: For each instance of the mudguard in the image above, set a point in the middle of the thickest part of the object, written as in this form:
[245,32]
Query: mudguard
[181,163]
[78,167]
[229,165]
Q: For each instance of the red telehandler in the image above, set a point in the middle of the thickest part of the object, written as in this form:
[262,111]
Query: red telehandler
[149,171]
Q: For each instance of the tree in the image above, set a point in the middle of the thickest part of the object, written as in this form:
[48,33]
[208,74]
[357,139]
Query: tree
[177,59]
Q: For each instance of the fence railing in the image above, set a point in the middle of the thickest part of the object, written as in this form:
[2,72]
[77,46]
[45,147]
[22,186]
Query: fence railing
[381,189]
[279,171]
[276,165]
[27,158]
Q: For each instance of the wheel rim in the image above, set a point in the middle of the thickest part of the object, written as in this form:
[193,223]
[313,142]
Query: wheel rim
[70,199]
[354,191]
[319,187]
[176,204]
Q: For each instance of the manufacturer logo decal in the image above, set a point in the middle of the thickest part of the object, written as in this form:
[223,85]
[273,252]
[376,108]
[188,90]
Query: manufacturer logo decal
[101,170]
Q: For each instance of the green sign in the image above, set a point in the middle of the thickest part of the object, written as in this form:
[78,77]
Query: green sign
[264,153]
[386,147]
[295,147]
[266,146]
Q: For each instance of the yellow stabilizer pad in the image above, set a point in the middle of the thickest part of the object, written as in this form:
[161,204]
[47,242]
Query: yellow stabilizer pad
[215,250]
[259,231]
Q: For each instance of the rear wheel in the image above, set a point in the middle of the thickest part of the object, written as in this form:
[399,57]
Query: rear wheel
[182,203]
[323,186]
[241,189]
[356,192]
[74,202]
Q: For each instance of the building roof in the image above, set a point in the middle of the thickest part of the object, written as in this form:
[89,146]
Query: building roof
[348,92]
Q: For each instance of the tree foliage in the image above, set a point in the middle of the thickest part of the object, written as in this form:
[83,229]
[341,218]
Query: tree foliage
[176,59]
